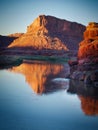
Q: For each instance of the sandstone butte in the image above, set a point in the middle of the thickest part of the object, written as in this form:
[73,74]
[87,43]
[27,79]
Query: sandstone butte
[89,46]
[48,32]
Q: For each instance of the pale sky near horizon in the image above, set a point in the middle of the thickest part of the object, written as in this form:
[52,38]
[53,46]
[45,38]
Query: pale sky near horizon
[16,15]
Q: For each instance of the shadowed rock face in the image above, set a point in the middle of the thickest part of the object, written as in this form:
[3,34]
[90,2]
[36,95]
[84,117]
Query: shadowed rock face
[89,46]
[5,41]
[51,33]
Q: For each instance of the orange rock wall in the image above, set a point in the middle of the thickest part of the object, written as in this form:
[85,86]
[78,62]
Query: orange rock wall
[89,46]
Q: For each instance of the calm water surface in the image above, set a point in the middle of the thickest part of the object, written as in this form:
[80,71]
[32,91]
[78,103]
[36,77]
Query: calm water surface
[38,97]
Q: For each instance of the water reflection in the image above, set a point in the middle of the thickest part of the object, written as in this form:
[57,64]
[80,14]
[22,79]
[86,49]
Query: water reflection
[48,77]
[40,75]
[89,105]
[87,95]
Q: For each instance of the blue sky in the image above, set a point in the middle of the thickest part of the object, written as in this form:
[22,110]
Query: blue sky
[16,15]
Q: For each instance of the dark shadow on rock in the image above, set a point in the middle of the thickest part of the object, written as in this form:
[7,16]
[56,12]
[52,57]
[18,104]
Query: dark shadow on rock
[5,41]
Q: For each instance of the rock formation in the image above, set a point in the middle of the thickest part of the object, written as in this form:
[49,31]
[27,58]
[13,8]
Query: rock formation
[86,68]
[48,32]
[88,48]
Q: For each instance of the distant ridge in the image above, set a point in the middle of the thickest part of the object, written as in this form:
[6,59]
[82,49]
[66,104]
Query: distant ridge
[5,41]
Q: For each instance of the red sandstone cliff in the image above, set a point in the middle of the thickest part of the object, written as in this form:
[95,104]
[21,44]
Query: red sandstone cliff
[86,69]
[89,46]
[48,32]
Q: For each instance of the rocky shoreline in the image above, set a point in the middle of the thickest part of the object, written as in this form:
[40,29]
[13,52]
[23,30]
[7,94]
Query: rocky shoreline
[86,67]
[88,73]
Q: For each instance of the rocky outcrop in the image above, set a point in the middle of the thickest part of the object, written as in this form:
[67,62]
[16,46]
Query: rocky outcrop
[88,48]
[48,32]
[86,69]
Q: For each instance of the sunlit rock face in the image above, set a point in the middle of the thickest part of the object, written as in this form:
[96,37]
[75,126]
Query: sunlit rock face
[89,46]
[39,76]
[48,32]
[89,105]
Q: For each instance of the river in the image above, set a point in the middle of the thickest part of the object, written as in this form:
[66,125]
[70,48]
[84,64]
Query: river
[37,96]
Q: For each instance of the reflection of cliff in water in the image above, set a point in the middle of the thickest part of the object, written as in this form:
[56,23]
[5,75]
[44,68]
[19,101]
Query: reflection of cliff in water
[48,77]
[39,75]
[89,105]
[87,95]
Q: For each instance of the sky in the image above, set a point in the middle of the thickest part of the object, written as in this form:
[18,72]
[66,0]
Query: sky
[16,15]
